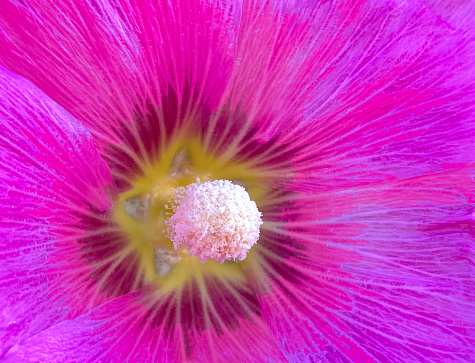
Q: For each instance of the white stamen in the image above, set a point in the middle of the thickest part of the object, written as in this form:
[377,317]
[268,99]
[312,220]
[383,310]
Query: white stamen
[214,220]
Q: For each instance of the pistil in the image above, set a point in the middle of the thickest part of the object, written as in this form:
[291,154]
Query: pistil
[214,220]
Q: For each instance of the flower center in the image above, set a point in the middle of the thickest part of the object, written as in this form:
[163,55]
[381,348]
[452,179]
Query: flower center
[214,220]
[155,215]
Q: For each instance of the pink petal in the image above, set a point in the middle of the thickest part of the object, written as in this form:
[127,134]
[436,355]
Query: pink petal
[284,53]
[49,171]
[123,329]
[67,341]
[393,100]
[68,52]
[107,62]
[375,274]
[460,14]
[355,73]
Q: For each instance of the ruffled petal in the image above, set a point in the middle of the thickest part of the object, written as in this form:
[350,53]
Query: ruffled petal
[374,274]
[50,172]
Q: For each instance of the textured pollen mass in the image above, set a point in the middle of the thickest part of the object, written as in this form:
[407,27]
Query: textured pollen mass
[214,220]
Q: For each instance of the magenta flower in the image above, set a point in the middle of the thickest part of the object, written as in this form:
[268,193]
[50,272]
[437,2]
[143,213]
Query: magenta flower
[143,141]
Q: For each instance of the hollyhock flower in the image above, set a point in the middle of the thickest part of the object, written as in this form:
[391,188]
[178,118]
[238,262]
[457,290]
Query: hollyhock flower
[224,180]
